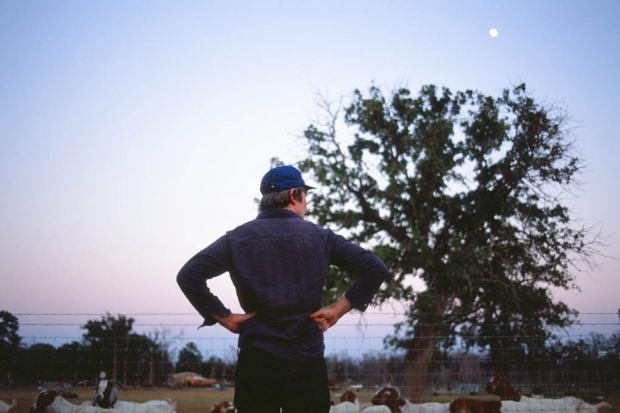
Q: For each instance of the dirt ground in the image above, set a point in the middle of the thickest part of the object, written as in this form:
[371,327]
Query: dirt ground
[187,400]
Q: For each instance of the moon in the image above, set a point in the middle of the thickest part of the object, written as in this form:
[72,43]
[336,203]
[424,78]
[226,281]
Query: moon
[493,32]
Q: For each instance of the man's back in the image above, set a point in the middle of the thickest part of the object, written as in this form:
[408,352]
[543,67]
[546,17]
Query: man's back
[279,264]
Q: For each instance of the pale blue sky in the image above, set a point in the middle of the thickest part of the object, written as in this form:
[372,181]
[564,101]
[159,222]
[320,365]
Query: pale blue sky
[135,133]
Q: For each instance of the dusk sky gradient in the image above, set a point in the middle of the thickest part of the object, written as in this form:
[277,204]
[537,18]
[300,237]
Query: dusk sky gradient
[134,133]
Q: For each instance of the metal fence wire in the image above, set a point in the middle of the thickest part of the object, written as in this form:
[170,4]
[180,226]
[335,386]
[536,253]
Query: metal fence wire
[169,350]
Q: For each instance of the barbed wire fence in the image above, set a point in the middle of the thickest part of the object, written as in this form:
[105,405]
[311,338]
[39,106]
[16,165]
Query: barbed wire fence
[53,350]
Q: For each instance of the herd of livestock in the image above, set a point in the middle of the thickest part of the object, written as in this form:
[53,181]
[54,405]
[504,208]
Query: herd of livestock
[385,400]
[389,400]
[105,400]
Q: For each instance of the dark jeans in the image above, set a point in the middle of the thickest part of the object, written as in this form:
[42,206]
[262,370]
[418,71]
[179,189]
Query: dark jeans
[265,383]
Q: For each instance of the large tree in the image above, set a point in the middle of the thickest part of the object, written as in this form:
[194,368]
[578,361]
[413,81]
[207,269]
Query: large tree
[462,191]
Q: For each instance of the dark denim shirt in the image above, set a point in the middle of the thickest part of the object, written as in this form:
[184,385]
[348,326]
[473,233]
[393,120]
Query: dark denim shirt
[278,263]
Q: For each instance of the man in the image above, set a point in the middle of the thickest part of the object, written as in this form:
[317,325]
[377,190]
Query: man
[278,264]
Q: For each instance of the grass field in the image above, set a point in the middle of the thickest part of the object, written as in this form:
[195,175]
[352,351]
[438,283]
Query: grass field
[187,400]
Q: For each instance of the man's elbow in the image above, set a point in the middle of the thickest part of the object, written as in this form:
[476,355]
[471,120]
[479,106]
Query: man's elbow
[383,272]
[182,278]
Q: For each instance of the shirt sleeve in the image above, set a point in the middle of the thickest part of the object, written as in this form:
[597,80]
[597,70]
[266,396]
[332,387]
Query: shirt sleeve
[369,270]
[192,279]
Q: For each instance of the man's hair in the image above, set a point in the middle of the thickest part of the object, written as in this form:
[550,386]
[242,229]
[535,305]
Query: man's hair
[279,199]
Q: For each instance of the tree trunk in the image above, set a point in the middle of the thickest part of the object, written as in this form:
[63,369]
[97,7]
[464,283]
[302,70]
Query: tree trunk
[125,366]
[151,369]
[114,359]
[418,359]
[430,308]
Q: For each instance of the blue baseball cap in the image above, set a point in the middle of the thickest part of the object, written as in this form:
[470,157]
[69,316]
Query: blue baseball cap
[281,178]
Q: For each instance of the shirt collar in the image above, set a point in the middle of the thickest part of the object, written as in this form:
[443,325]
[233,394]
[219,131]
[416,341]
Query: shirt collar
[277,213]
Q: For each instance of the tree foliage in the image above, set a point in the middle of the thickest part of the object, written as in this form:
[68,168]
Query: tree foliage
[9,326]
[190,358]
[463,192]
[109,335]
[9,344]
[108,327]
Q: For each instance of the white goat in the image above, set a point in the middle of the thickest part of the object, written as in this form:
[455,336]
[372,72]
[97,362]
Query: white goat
[540,405]
[5,407]
[592,408]
[390,397]
[345,407]
[431,407]
[513,401]
[106,391]
[379,408]
[51,400]
[106,399]
[348,403]
[151,406]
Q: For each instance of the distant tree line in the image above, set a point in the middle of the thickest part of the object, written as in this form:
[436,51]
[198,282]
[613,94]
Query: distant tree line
[107,345]
[589,365]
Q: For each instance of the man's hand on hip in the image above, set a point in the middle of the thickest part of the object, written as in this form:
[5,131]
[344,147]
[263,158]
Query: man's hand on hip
[328,316]
[232,322]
